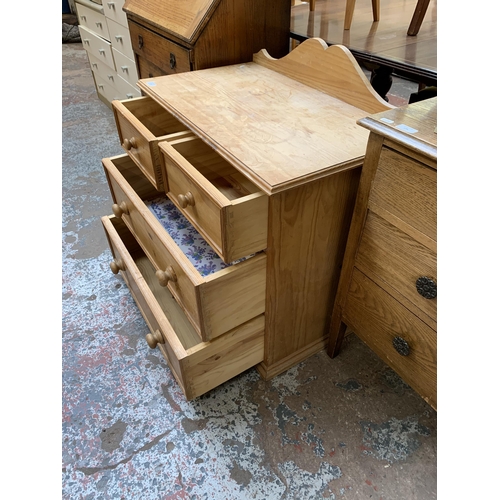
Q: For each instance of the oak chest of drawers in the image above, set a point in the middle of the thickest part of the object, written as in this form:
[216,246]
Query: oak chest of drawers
[231,208]
[179,35]
[388,288]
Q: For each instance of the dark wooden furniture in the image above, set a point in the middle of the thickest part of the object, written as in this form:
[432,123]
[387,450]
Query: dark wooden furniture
[179,36]
[387,292]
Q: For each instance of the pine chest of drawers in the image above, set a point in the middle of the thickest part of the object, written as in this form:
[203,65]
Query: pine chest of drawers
[231,207]
[388,288]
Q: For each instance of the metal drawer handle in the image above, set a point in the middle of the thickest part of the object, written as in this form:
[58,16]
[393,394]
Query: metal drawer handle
[111,5]
[87,41]
[155,338]
[101,51]
[101,86]
[94,65]
[141,41]
[110,77]
[186,199]
[119,38]
[98,24]
[172,61]
[120,209]
[116,266]
[128,144]
[83,18]
[165,276]
[401,346]
[124,69]
[130,96]
[426,287]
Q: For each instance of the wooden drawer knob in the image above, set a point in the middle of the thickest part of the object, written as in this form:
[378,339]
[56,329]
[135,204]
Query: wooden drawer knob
[186,199]
[120,209]
[165,276]
[116,266]
[153,339]
[128,144]
[426,287]
[401,346]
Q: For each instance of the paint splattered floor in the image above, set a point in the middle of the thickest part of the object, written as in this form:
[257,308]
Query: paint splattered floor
[345,429]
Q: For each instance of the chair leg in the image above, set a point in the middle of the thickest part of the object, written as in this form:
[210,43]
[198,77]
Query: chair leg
[349,11]
[312,5]
[376,10]
[418,17]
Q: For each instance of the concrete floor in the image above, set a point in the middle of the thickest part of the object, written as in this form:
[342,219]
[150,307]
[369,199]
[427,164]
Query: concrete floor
[347,428]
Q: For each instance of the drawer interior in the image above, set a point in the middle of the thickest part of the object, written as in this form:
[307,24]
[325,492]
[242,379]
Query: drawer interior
[220,173]
[198,251]
[186,334]
[154,117]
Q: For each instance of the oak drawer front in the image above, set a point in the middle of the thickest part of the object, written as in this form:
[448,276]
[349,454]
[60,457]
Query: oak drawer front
[161,52]
[197,366]
[114,10]
[379,320]
[97,46]
[125,67]
[407,189]
[387,254]
[221,203]
[215,300]
[141,125]
[120,38]
[92,20]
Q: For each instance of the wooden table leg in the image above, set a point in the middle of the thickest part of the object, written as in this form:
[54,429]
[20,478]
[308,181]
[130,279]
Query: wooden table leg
[418,17]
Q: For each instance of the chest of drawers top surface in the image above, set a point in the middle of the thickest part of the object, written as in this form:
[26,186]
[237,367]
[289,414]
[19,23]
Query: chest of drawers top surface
[280,129]
[413,126]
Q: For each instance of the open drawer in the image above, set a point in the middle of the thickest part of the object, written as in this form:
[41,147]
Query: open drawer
[142,124]
[221,203]
[197,366]
[215,296]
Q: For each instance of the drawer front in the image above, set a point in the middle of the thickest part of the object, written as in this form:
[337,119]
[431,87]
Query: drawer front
[105,88]
[379,320]
[125,67]
[92,20]
[97,46]
[126,90]
[120,38]
[408,190]
[197,366]
[160,51]
[225,207]
[387,254]
[99,68]
[141,125]
[114,10]
[213,302]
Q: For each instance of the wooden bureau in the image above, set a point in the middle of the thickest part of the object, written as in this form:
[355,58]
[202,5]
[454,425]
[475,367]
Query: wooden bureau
[232,204]
[388,287]
[187,35]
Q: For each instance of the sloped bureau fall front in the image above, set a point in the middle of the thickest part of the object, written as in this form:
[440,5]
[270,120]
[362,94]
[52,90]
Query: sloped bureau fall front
[231,208]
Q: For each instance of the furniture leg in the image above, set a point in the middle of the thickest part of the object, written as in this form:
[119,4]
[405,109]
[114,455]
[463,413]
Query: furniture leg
[381,80]
[418,17]
[312,5]
[349,11]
